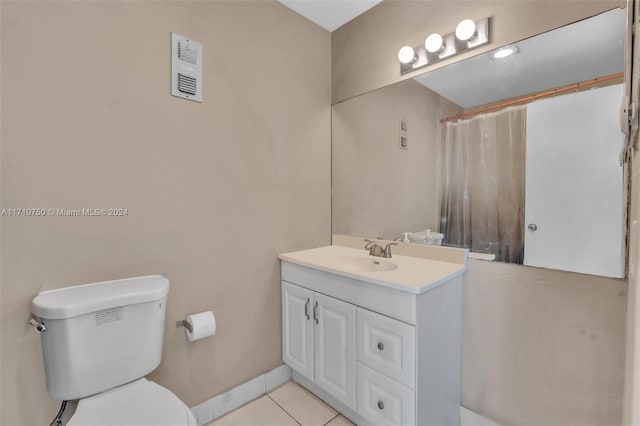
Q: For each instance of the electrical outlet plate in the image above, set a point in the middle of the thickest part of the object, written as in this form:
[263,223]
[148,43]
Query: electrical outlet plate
[403,134]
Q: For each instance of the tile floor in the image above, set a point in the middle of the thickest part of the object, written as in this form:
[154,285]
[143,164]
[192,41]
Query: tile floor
[288,405]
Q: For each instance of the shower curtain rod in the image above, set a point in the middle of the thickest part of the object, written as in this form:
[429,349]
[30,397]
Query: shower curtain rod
[530,98]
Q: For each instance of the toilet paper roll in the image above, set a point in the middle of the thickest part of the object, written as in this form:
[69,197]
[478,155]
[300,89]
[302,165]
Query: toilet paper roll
[202,324]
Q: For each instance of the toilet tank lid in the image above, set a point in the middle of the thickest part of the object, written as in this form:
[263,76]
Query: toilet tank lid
[78,300]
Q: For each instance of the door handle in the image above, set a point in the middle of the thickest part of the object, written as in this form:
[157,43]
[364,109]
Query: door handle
[306,308]
[315,312]
[532,227]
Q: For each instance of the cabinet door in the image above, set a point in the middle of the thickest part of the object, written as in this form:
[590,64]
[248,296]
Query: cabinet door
[297,329]
[335,341]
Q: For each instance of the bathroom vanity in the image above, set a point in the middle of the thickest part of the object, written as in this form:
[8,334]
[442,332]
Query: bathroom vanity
[378,339]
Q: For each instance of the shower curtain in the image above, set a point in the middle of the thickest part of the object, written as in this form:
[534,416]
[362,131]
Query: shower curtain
[483,191]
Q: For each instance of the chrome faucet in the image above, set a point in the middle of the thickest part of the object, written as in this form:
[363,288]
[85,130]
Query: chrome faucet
[377,250]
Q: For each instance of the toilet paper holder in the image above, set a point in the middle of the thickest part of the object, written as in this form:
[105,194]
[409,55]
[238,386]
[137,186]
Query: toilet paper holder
[184,324]
[198,326]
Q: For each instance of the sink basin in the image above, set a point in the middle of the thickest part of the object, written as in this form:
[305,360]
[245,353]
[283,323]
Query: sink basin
[367,264]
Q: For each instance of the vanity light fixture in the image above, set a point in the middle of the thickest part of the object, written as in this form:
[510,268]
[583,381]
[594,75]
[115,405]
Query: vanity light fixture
[466,30]
[469,34]
[504,52]
[435,44]
[406,55]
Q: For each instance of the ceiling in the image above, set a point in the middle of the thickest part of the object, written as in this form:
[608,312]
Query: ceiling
[581,51]
[330,14]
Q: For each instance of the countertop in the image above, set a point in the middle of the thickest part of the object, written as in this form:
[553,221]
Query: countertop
[413,275]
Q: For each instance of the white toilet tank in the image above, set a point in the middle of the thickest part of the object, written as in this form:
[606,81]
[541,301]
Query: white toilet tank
[102,335]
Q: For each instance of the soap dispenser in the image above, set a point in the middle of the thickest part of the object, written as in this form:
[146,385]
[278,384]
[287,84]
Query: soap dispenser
[406,238]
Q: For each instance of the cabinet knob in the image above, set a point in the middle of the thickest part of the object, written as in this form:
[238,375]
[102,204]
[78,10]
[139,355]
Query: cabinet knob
[381,405]
[380,346]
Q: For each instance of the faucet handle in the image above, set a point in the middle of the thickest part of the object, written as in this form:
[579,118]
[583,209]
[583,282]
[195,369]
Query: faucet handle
[369,243]
[374,248]
[387,249]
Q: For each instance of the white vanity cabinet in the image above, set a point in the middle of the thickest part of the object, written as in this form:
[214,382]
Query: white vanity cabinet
[319,340]
[381,355]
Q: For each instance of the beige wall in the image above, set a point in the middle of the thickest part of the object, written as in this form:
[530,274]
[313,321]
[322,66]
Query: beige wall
[214,190]
[378,189]
[364,51]
[539,346]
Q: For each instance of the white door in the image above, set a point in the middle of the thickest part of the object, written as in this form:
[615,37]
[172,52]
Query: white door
[335,342]
[297,329]
[574,183]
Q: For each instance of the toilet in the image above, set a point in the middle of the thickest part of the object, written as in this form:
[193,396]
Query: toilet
[98,342]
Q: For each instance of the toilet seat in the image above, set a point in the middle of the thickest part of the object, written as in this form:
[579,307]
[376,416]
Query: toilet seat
[139,403]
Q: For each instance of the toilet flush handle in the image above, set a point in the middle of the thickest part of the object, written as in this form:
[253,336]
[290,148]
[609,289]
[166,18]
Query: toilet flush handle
[38,325]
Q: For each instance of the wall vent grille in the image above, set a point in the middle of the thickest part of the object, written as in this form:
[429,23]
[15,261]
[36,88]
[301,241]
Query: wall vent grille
[187,53]
[186,68]
[187,84]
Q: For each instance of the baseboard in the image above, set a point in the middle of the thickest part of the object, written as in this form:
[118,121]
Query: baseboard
[471,418]
[220,405]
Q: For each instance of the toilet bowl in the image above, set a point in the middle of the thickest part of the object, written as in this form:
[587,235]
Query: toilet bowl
[98,342]
[140,403]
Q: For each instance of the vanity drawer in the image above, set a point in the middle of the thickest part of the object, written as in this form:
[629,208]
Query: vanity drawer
[383,401]
[387,345]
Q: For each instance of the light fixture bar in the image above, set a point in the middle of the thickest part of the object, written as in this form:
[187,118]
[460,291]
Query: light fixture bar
[452,46]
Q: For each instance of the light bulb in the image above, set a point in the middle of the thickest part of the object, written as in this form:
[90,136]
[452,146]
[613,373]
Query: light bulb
[466,30]
[406,55]
[505,51]
[434,43]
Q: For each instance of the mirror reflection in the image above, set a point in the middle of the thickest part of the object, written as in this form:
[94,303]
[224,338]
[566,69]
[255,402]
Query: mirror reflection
[512,156]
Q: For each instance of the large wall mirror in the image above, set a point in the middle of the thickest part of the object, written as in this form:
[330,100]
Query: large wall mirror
[514,157]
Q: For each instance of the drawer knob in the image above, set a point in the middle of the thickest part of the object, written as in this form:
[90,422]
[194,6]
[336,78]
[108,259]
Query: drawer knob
[380,346]
[381,405]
